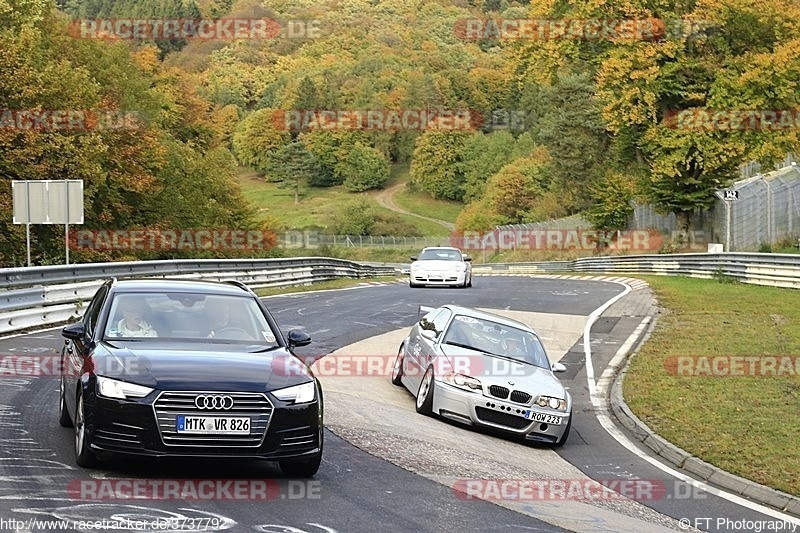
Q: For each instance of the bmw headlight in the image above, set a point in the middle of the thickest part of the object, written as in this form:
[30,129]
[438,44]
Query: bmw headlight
[551,402]
[122,390]
[298,394]
[462,382]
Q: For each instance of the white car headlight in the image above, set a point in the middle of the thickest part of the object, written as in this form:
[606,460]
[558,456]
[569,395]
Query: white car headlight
[298,394]
[551,402]
[463,382]
[122,390]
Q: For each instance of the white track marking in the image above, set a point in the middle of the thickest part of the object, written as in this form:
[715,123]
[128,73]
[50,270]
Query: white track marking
[603,416]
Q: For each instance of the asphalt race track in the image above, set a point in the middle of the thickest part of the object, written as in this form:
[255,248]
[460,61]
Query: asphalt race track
[387,475]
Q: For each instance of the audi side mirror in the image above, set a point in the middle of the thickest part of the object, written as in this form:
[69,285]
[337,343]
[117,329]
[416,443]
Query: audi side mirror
[296,338]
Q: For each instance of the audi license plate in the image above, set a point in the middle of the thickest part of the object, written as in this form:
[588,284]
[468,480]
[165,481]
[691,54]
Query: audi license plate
[213,425]
[541,417]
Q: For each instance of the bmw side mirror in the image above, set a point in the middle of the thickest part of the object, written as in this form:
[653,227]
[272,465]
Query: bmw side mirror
[428,333]
[296,337]
[558,367]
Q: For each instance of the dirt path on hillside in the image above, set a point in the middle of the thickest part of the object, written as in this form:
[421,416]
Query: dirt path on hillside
[386,199]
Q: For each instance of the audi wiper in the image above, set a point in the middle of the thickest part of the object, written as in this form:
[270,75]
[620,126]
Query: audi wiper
[264,350]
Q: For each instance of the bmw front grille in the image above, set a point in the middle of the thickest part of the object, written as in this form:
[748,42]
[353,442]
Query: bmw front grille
[256,406]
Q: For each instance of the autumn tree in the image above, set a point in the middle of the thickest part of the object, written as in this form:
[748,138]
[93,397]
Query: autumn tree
[435,164]
[293,166]
[364,168]
[258,137]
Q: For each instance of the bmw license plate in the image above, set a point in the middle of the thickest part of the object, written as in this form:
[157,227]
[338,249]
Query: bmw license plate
[541,417]
[213,425]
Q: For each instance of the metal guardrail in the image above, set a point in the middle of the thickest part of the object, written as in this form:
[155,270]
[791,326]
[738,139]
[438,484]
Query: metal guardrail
[41,296]
[777,270]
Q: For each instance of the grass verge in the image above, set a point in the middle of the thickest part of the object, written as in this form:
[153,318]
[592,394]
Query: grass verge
[317,206]
[745,425]
[425,205]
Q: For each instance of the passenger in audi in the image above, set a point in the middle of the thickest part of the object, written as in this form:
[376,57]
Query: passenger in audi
[133,323]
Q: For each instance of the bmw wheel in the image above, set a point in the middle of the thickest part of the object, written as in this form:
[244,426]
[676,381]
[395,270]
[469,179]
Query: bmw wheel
[397,369]
[425,394]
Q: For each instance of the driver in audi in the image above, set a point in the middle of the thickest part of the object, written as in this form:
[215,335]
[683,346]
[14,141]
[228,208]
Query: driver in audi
[219,318]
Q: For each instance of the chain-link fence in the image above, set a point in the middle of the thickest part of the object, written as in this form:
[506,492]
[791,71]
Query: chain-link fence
[313,239]
[571,222]
[766,211]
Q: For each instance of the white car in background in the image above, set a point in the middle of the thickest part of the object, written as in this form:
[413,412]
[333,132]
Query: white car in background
[441,265]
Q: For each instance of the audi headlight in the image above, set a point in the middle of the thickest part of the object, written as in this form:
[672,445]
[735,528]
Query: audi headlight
[122,390]
[551,402]
[298,394]
[462,382]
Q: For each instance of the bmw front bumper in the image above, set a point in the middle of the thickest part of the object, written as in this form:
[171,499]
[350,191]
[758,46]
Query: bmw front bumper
[477,409]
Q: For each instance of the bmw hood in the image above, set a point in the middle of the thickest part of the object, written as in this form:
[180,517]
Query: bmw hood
[493,370]
[228,368]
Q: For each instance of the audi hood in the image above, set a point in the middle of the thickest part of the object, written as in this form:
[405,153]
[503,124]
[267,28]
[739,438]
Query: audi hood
[183,367]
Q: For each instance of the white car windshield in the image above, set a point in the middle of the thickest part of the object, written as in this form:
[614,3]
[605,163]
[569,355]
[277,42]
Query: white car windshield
[441,255]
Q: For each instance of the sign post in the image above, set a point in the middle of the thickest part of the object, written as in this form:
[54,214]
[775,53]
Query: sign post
[728,196]
[47,202]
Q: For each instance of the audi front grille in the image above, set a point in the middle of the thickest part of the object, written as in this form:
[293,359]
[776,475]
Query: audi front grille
[256,406]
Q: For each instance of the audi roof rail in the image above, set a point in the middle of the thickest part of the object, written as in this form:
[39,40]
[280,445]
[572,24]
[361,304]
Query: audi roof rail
[240,284]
